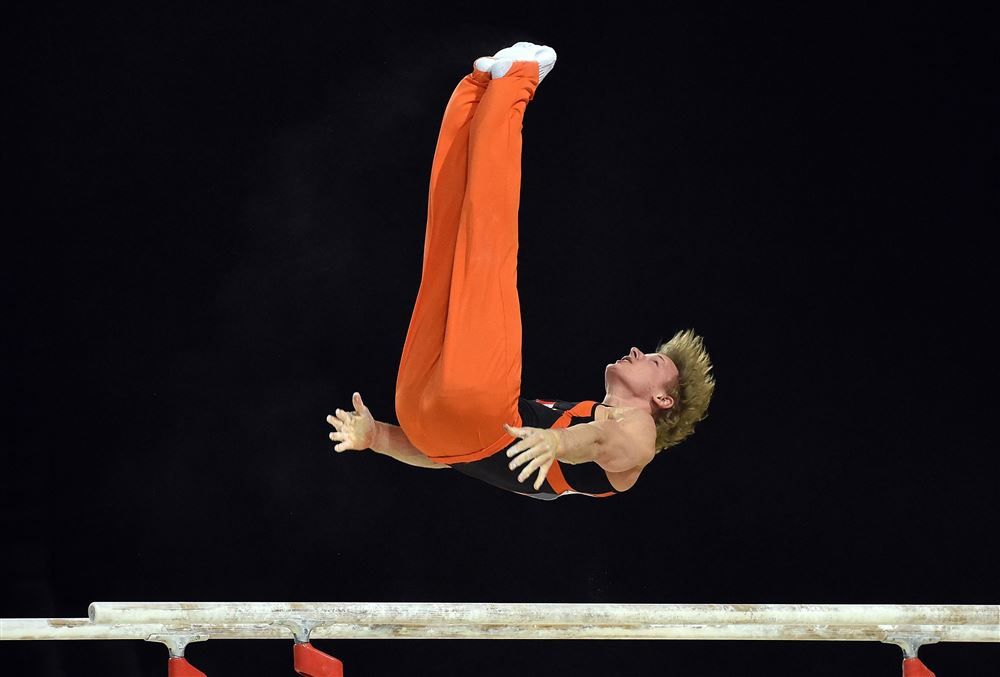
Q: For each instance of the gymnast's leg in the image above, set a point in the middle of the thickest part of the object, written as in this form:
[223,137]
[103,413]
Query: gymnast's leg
[472,386]
[425,336]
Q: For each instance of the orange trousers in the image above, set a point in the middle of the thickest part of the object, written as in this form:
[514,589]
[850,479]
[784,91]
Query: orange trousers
[459,375]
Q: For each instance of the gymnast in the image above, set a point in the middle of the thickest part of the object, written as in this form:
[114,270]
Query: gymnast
[458,388]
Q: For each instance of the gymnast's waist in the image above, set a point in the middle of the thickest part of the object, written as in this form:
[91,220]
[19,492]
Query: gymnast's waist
[584,478]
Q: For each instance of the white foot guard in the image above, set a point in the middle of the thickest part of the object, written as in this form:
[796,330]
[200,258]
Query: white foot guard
[523,51]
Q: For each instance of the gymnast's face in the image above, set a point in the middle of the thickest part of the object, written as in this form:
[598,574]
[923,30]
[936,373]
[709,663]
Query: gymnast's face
[643,377]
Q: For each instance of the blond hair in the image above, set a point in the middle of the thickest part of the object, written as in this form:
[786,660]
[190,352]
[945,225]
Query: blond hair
[693,392]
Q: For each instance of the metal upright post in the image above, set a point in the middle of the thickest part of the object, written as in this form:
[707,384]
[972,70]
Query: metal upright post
[177,665]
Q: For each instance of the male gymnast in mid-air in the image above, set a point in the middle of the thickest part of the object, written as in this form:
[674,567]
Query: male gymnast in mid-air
[458,389]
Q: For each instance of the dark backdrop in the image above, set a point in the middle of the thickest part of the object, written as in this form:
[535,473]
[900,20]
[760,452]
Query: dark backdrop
[215,236]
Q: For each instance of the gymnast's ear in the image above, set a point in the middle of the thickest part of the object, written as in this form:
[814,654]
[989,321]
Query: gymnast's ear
[664,401]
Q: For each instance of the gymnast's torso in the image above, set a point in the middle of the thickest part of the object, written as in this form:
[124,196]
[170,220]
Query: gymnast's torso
[563,478]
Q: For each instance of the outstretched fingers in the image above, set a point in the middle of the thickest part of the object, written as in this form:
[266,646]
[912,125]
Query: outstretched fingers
[535,464]
[341,433]
[522,457]
[542,475]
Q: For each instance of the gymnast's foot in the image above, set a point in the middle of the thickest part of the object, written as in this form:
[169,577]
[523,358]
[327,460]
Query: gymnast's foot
[500,63]
[484,63]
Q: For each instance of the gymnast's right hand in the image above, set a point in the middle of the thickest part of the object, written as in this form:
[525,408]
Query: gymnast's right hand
[354,429]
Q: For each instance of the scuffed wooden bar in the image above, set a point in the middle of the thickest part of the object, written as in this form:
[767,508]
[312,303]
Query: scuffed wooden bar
[443,620]
[448,613]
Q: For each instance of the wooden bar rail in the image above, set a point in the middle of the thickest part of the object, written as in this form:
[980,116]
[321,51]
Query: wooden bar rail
[485,620]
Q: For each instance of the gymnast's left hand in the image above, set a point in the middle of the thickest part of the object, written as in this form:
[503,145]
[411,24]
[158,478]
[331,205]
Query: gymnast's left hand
[539,448]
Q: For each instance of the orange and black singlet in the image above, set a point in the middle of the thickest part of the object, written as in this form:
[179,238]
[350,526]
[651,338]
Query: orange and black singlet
[588,479]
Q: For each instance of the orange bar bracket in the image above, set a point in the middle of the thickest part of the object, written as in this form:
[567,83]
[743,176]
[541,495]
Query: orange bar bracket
[311,662]
[179,667]
[912,667]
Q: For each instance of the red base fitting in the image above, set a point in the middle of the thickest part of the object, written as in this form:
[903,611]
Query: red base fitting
[912,667]
[311,662]
[179,667]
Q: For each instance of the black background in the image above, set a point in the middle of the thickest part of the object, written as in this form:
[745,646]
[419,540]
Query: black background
[215,235]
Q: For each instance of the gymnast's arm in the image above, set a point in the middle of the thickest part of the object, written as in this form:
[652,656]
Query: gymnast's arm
[392,441]
[617,445]
[358,430]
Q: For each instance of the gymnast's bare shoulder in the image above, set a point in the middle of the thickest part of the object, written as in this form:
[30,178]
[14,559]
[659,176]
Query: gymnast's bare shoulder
[638,434]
